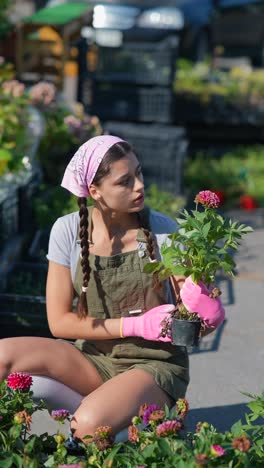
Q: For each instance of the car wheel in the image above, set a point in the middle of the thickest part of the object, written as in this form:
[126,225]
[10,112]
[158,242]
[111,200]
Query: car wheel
[201,47]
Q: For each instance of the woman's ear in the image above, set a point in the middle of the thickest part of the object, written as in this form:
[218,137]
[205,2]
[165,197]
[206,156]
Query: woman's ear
[94,192]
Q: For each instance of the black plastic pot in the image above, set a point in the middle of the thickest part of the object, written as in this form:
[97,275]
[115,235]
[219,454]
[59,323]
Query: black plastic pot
[185,332]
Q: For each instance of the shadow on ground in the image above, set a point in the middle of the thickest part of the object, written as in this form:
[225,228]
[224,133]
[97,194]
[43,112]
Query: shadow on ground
[221,417]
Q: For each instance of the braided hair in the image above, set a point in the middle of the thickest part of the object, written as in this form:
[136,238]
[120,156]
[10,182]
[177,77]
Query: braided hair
[82,308]
[150,246]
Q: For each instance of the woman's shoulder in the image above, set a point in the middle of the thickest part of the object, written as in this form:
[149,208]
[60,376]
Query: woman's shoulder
[161,223]
[68,223]
[62,239]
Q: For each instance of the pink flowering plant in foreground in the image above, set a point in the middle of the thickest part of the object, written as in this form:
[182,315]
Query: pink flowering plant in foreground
[157,436]
[202,246]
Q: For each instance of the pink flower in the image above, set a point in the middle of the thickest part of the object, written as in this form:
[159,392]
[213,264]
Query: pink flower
[217,451]
[72,122]
[43,93]
[73,465]
[168,428]
[60,414]
[133,434]
[207,198]
[148,412]
[241,443]
[13,88]
[19,381]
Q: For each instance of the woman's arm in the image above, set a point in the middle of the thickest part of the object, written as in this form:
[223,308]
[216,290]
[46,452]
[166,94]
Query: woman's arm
[62,321]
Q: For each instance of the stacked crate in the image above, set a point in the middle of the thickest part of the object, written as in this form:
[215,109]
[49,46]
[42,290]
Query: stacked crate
[130,89]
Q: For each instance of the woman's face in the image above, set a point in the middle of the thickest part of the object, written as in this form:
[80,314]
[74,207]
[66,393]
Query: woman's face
[123,188]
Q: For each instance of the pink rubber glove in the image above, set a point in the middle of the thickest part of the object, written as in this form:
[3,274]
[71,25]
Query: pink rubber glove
[195,298]
[148,325]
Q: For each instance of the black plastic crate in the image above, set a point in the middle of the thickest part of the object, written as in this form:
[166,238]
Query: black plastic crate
[8,212]
[160,148]
[39,246]
[144,63]
[26,191]
[23,315]
[23,301]
[122,102]
[26,278]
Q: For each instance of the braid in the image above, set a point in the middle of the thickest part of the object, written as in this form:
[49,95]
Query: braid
[150,243]
[82,307]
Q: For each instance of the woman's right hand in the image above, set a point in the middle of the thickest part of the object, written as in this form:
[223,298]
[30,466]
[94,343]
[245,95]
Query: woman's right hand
[148,325]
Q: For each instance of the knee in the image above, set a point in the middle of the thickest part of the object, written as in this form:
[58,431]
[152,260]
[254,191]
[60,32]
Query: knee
[86,421]
[5,358]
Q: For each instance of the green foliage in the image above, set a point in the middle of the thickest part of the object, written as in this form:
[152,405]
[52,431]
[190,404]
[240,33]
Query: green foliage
[201,246]
[154,446]
[14,117]
[5,25]
[163,201]
[237,171]
[52,202]
[65,127]
[204,81]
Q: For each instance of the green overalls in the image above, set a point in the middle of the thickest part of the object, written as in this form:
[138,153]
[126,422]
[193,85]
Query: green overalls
[118,287]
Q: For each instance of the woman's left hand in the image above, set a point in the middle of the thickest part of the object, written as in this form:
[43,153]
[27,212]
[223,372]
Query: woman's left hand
[196,299]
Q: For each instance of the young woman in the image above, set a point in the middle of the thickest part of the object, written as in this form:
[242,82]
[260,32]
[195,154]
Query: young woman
[118,360]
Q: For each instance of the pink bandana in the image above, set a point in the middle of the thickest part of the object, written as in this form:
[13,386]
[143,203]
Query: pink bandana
[81,170]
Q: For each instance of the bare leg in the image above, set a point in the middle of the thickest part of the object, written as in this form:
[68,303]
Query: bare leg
[116,401]
[57,359]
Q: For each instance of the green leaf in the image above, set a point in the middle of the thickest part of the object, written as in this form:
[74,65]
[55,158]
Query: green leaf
[152,267]
[5,155]
[148,451]
[247,229]
[7,462]
[15,431]
[113,452]
[206,229]
[164,274]
[194,223]
[30,446]
[167,411]
[32,464]
[226,267]
[237,428]
[179,270]
[164,446]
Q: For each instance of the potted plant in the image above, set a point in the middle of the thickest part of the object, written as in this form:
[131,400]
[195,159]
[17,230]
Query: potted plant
[202,245]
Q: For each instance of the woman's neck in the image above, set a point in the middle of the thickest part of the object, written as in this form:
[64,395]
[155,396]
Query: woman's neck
[114,222]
